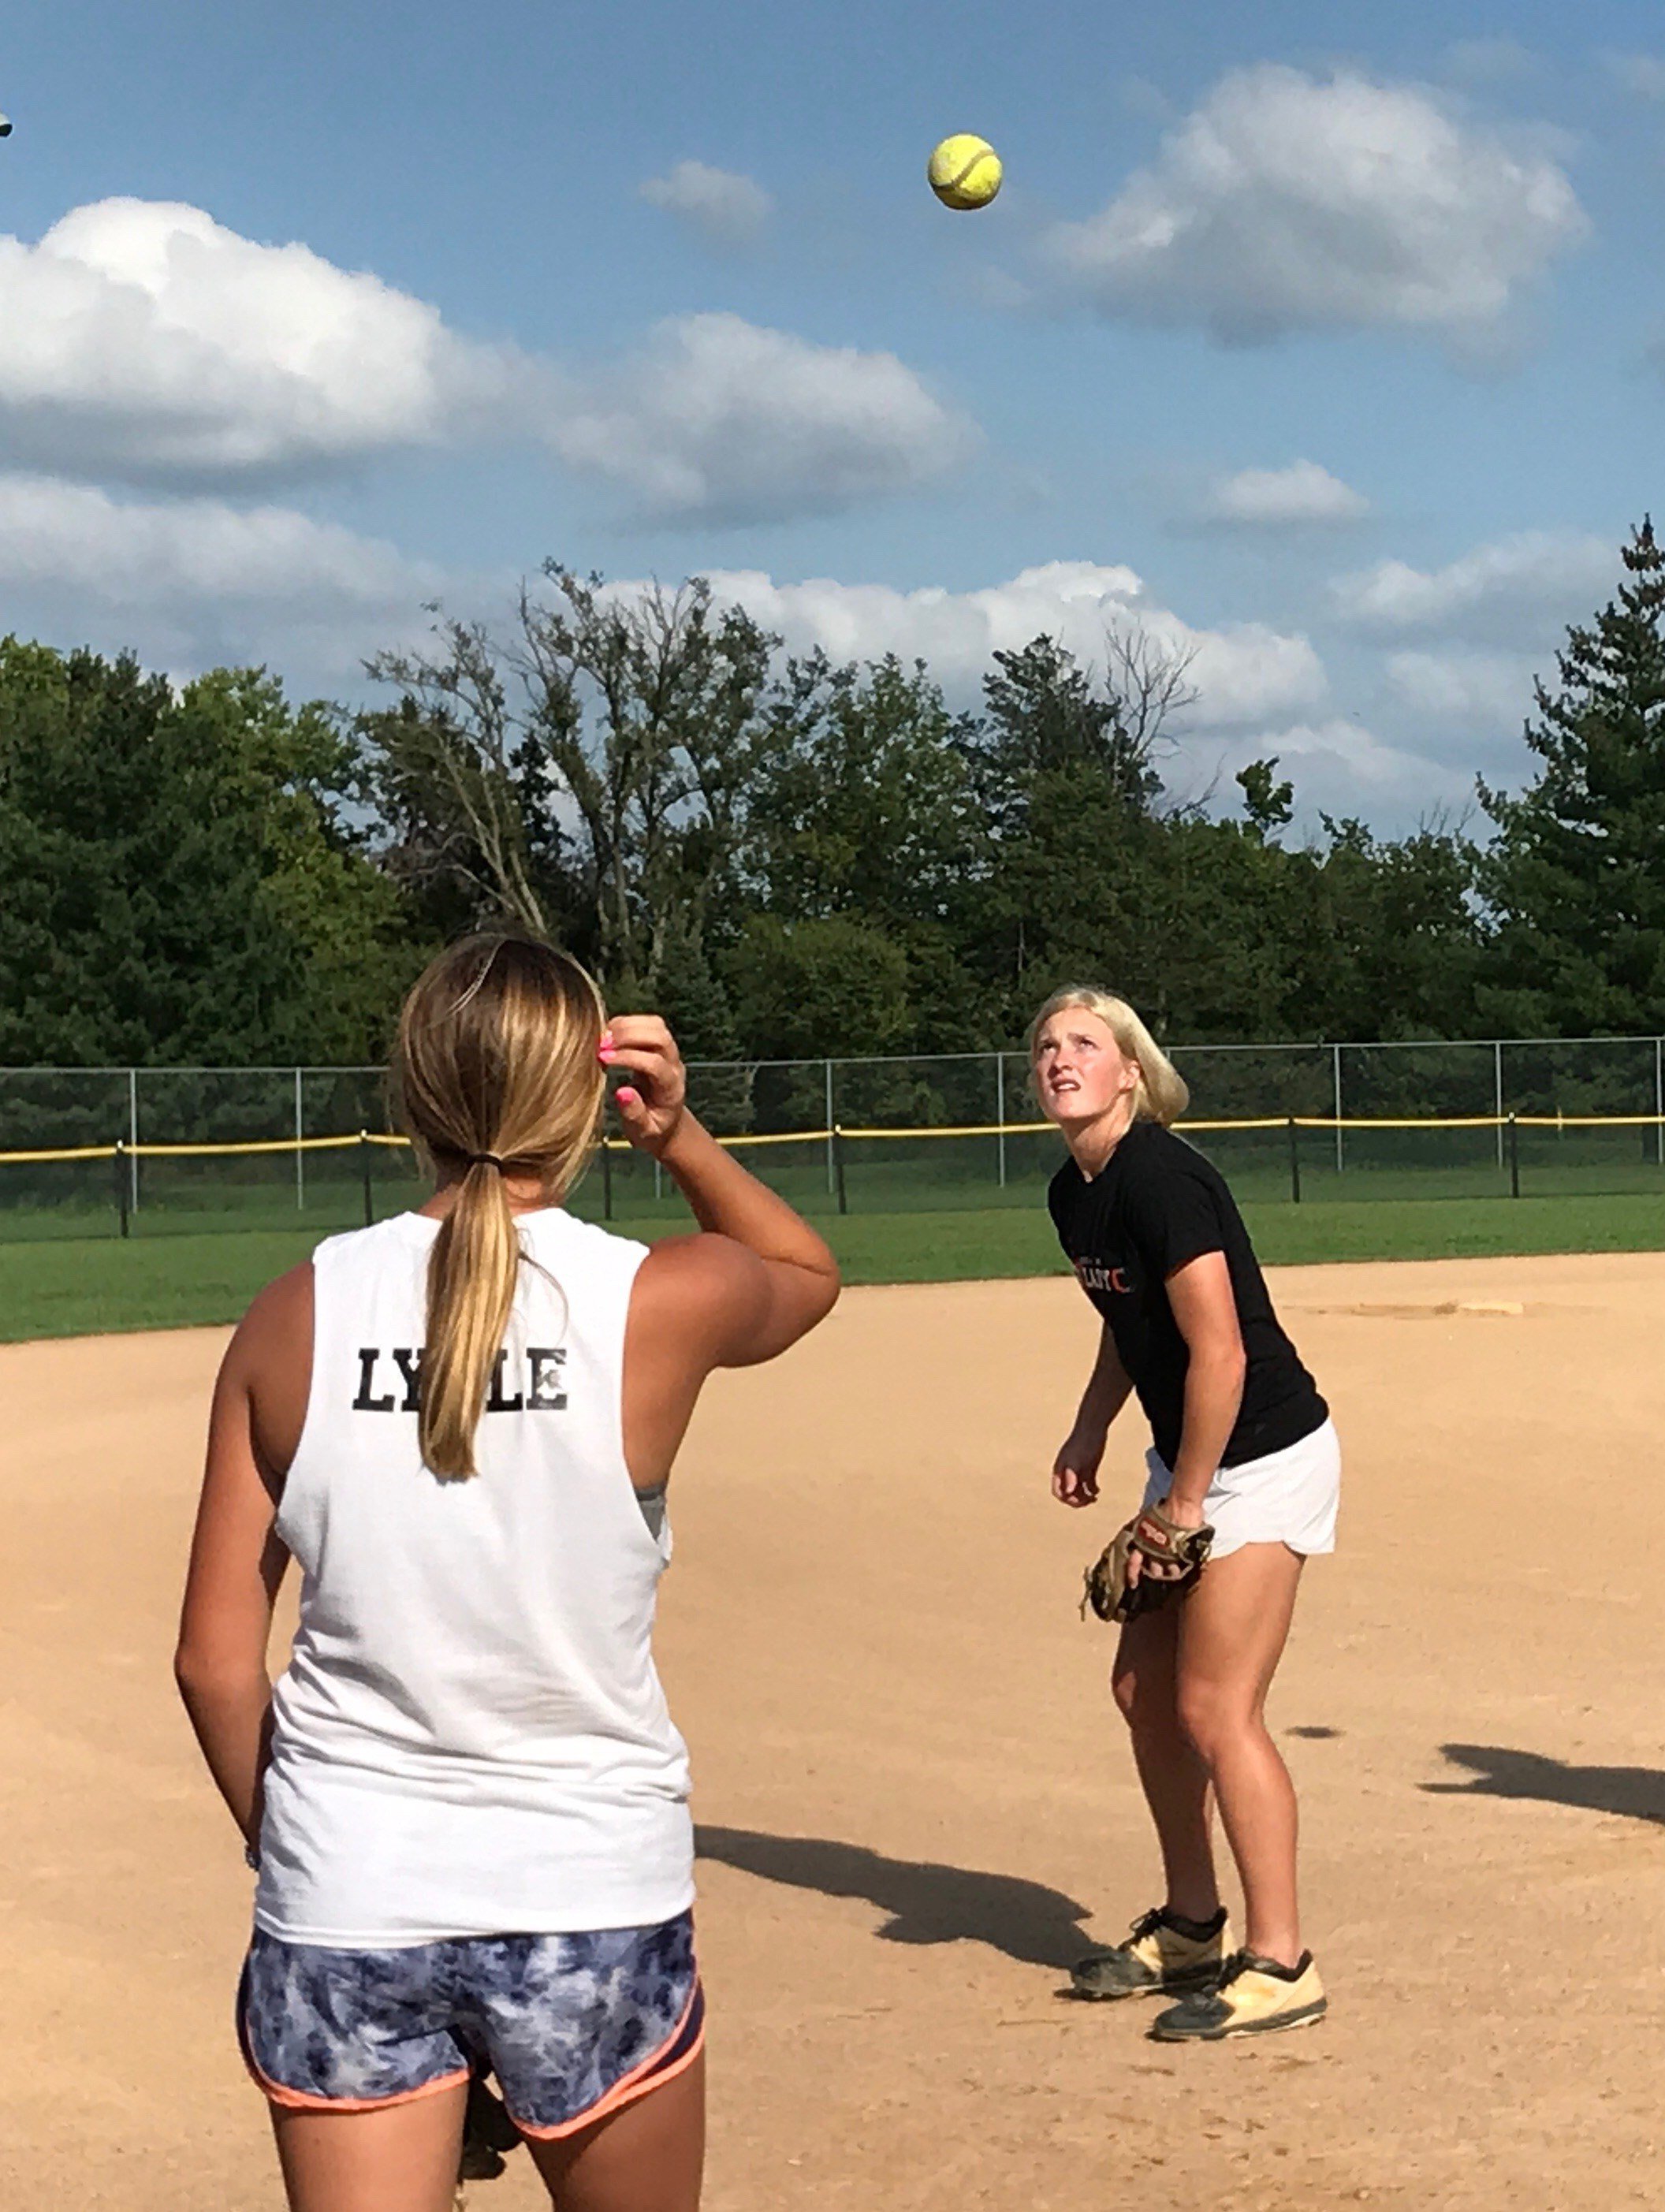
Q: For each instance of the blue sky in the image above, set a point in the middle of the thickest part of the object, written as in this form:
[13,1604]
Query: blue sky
[1321,344]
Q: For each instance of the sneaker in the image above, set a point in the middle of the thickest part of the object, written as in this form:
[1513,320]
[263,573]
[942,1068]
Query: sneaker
[1255,1996]
[1158,1959]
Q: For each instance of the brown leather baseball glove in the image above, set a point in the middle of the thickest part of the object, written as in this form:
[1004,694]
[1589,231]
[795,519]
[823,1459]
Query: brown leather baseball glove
[1158,1542]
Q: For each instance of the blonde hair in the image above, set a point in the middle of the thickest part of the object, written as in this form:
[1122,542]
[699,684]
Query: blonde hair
[1160,1092]
[496,1062]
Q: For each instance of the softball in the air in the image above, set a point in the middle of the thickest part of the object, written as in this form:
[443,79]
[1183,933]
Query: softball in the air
[965,172]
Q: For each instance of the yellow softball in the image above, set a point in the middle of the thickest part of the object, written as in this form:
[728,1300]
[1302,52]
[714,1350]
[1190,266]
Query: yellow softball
[964,171]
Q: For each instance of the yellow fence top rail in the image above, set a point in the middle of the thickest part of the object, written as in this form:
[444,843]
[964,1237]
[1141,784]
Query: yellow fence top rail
[67,1152]
[838,1134]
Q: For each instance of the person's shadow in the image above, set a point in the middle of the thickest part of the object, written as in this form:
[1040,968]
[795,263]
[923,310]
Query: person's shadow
[1638,1793]
[926,1903]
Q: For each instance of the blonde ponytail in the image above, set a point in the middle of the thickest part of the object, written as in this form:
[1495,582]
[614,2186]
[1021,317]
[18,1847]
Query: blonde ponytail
[471,1277]
[496,1073]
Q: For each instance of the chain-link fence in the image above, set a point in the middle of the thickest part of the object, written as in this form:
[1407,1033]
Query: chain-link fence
[1399,1120]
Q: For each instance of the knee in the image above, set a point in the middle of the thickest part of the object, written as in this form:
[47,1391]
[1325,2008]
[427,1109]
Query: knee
[1143,1704]
[1210,1718]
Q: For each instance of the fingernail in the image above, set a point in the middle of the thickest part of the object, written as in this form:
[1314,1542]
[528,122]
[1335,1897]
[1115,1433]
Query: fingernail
[625,1096]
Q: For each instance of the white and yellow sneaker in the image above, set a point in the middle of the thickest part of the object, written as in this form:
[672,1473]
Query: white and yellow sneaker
[1159,1959]
[1253,1997]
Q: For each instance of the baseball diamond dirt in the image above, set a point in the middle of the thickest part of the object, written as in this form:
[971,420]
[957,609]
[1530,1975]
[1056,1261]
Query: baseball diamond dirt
[914,1802]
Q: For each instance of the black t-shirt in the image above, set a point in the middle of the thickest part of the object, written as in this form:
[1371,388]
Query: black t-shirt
[1155,1204]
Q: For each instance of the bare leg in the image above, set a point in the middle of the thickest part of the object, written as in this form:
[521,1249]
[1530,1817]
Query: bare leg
[649,2158]
[1173,1777]
[402,2159]
[1233,1629]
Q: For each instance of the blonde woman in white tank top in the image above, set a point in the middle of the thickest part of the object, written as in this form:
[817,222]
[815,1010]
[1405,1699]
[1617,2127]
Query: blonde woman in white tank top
[466,1799]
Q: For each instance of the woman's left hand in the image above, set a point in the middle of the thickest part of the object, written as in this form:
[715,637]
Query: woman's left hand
[1182,1516]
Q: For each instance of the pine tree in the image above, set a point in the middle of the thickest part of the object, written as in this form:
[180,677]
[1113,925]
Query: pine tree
[1574,882]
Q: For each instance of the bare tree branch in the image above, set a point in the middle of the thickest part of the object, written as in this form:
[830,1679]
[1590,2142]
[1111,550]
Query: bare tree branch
[1151,681]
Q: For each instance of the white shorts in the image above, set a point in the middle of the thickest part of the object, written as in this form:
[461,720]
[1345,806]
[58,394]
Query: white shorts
[1290,1497]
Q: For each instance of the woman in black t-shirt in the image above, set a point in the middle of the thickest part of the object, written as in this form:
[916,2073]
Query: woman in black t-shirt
[1243,1445]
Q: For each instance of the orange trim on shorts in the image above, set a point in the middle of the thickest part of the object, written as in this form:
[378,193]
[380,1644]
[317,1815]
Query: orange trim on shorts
[298,2101]
[640,2082]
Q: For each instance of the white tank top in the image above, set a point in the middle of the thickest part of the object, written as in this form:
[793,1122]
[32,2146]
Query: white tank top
[471,1738]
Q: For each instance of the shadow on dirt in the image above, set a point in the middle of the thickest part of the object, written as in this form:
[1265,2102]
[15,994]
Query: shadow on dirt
[926,1903]
[1636,1792]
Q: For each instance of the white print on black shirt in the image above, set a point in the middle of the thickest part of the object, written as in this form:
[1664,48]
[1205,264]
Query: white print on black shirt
[541,1382]
[1100,1275]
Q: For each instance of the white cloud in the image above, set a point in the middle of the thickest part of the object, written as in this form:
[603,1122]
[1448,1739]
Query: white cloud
[1338,766]
[1243,671]
[1478,690]
[719,417]
[1641,74]
[1288,203]
[724,206]
[144,339]
[1303,492]
[189,583]
[1518,591]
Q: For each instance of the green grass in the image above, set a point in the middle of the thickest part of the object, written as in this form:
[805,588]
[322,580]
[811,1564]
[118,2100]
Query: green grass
[79,1285]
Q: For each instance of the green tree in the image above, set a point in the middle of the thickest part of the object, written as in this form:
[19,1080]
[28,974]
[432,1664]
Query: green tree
[863,809]
[178,878]
[1575,881]
[587,776]
[808,988]
[1063,768]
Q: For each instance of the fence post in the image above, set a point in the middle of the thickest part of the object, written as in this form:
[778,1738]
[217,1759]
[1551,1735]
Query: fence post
[1000,1110]
[832,1177]
[1294,1162]
[122,1192]
[1659,1100]
[838,1168]
[1335,1059]
[364,1171]
[300,1157]
[1497,1086]
[133,1140]
[1513,1157]
[606,1180]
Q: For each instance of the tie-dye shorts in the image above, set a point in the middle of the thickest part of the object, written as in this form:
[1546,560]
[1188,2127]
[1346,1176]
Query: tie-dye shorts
[574,2026]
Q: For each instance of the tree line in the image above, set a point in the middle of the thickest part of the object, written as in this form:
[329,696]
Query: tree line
[790,856]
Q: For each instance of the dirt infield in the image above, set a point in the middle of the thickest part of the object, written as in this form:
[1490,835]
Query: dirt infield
[913,1801]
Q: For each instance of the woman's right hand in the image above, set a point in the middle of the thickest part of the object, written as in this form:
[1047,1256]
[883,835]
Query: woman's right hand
[1075,1470]
[651,1108]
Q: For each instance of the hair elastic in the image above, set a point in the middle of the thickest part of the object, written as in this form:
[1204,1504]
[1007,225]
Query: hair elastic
[485,1160]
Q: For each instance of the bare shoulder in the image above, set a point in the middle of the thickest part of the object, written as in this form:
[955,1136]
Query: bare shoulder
[687,1273]
[707,1294]
[268,1369]
[279,1320]
[275,1332]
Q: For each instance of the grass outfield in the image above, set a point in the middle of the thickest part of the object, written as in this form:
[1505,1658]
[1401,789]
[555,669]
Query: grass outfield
[88,1285]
